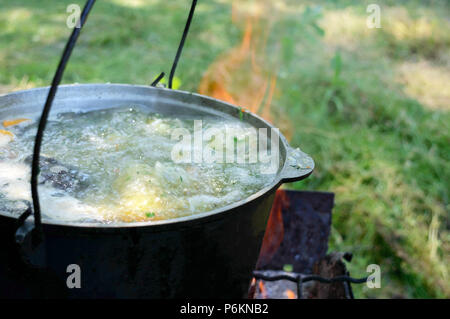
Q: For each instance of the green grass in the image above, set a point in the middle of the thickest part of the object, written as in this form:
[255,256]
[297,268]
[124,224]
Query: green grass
[381,143]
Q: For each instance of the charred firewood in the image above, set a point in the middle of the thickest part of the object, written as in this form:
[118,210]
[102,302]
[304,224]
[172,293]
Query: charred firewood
[330,266]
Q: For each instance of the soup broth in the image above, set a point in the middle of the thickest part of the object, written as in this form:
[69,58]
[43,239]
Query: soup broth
[117,165]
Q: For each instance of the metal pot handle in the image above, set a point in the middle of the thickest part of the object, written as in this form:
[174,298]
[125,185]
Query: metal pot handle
[29,235]
[298,166]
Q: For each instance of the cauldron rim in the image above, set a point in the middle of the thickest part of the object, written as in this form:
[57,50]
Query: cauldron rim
[285,173]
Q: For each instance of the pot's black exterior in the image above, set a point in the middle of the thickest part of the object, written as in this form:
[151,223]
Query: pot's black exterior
[209,255]
[208,258]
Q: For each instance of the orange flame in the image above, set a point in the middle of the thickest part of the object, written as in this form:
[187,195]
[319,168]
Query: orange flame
[262,289]
[252,289]
[290,294]
[275,229]
[240,76]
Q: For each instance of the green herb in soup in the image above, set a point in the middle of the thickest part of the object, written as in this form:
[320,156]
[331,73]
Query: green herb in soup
[118,165]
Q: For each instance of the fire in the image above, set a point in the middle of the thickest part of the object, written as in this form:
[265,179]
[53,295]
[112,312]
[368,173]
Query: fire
[246,77]
[262,289]
[241,76]
[290,294]
[275,230]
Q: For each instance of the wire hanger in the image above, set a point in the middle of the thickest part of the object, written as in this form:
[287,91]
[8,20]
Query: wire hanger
[36,209]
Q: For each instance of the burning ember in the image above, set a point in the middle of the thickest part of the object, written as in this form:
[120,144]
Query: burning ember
[262,289]
[290,294]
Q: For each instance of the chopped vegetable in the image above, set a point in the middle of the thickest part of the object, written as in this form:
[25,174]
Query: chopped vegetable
[4,132]
[288,268]
[7,123]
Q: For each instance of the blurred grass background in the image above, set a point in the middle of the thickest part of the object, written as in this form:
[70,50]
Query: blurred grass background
[370,105]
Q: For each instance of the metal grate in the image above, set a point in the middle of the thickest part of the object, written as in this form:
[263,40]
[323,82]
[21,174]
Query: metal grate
[300,279]
[304,224]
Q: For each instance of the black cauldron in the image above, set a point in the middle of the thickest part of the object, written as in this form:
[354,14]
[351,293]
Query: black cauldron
[208,255]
